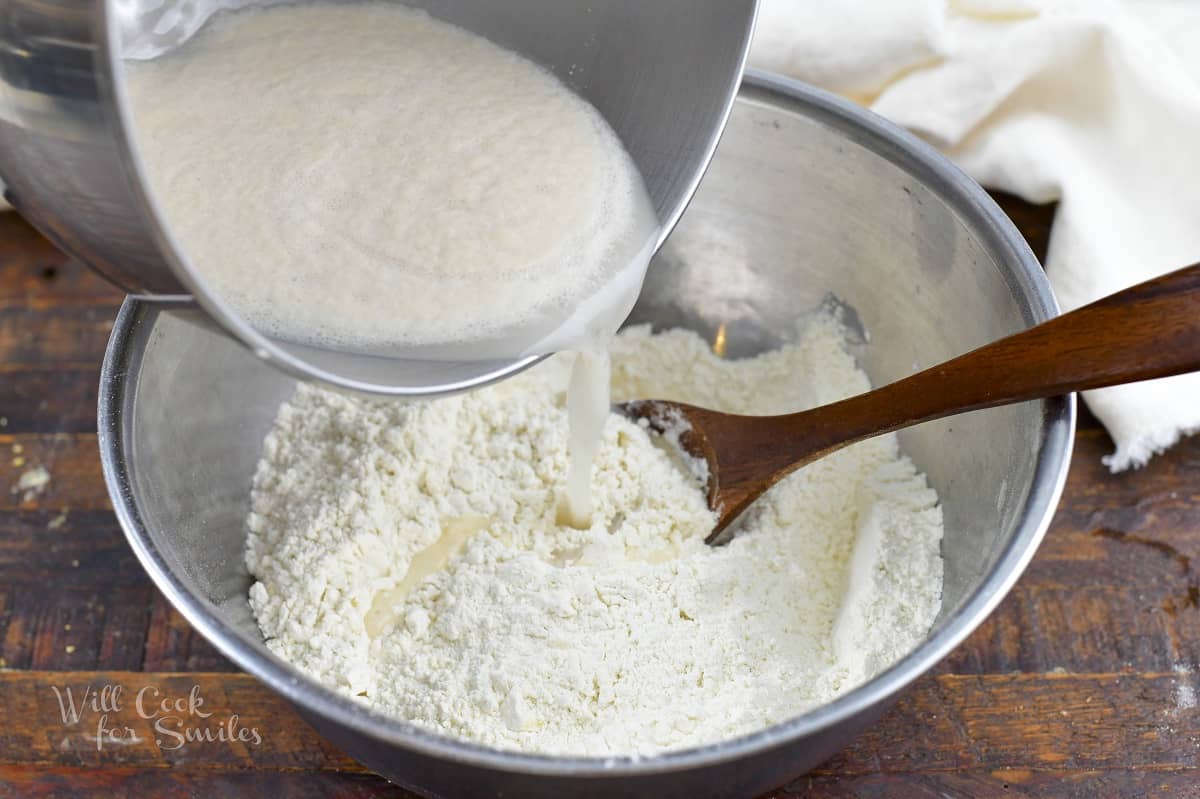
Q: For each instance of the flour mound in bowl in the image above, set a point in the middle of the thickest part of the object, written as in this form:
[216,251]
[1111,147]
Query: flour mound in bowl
[407,555]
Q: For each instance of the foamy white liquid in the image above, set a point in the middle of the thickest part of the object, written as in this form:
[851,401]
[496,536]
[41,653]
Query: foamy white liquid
[365,177]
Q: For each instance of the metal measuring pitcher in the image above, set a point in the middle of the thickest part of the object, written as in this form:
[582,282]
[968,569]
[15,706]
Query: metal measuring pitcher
[663,74]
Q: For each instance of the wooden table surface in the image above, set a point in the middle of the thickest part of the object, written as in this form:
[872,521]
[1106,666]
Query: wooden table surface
[1082,684]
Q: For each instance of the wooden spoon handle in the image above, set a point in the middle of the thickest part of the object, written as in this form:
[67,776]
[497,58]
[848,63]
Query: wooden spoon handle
[1150,330]
[1147,331]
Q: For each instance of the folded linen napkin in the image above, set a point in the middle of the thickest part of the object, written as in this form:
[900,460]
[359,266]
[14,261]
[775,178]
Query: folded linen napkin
[1094,103]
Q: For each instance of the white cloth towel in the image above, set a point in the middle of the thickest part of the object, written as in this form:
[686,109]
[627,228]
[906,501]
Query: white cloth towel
[1095,103]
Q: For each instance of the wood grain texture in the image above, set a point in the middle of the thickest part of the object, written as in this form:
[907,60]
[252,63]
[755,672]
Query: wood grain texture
[34,782]
[51,398]
[947,730]
[72,461]
[1077,686]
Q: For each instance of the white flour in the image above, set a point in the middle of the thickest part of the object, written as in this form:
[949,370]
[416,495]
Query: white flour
[361,175]
[408,555]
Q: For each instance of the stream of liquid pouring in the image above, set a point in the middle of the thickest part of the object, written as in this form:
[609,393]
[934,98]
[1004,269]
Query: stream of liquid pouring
[589,333]
[588,400]
[589,391]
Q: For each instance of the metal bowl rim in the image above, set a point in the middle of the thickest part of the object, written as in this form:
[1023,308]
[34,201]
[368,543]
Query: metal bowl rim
[959,192]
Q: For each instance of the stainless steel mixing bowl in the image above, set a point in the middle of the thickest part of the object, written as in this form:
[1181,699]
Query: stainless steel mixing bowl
[809,201]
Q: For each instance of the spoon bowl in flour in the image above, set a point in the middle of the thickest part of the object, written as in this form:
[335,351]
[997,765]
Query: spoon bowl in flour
[1148,331]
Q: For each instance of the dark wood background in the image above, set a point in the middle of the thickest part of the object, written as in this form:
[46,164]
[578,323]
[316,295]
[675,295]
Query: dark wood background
[1082,684]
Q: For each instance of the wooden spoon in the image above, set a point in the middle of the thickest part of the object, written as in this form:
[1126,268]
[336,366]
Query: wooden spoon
[1148,331]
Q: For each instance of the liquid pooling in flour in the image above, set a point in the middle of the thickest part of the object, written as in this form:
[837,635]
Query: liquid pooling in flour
[365,177]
